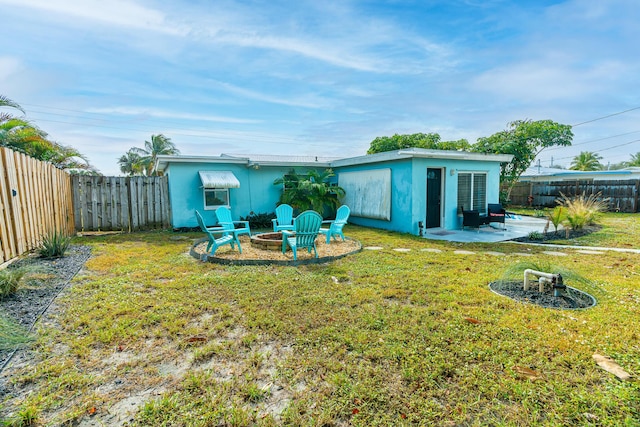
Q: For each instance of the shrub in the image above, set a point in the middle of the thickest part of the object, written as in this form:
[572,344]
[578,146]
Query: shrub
[54,245]
[10,279]
[583,210]
[536,235]
[261,220]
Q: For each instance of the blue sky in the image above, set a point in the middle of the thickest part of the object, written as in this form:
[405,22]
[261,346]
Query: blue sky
[320,77]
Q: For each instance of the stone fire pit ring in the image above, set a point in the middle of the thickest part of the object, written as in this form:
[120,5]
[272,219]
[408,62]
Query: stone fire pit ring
[276,245]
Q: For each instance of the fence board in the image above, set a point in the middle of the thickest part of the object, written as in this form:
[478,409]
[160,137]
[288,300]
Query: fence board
[622,195]
[119,203]
[7,237]
[34,200]
[16,205]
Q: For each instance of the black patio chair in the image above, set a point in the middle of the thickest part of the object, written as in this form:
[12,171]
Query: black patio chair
[496,213]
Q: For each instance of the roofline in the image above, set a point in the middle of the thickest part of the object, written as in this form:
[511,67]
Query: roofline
[163,161]
[421,153]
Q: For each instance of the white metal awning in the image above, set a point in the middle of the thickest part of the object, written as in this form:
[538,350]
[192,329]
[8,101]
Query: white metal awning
[219,179]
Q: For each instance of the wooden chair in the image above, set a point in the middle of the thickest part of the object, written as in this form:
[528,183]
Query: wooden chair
[306,229]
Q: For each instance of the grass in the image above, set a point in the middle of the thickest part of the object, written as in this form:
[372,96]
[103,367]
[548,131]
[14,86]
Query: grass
[12,334]
[375,339]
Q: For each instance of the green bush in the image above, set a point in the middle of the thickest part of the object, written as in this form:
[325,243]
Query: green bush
[10,279]
[261,220]
[536,235]
[54,245]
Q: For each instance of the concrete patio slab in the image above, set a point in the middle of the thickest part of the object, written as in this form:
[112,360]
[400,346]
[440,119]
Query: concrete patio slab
[517,227]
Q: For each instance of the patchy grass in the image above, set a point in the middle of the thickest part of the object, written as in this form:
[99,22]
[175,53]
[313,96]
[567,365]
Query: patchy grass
[375,339]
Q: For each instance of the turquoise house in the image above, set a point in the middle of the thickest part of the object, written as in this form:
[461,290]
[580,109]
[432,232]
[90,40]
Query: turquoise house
[403,190]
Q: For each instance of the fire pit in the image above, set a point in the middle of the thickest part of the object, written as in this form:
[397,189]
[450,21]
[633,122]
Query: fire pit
[267,241]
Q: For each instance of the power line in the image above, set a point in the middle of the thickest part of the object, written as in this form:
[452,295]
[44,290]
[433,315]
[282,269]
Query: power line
[606,117]
[592,140]
[604,149]
[210,134]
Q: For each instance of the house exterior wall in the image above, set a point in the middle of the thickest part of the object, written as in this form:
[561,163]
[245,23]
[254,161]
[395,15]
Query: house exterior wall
[409,191]
[256,194]
[401,194]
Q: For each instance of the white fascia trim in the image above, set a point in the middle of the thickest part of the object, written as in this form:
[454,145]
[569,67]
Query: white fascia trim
[163,161]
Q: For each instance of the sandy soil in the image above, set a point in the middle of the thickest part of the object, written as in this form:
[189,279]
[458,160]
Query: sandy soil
[249,252]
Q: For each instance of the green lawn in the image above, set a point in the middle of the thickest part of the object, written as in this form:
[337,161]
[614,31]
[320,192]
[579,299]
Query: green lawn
[379,338]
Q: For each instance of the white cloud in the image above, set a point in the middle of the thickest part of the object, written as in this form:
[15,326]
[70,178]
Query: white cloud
[119,13]
[165,114]
[9,66]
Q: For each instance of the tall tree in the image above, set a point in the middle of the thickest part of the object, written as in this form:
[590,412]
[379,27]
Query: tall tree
[634,161]
[524,139]
[418,140]
[586,161]
[158,145]
[131,163]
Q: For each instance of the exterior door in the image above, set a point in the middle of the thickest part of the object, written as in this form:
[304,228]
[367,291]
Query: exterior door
[434,195]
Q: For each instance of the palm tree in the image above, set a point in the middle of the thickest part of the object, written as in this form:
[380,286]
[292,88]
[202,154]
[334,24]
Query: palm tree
[586,161]
[70,159]
[131,163]
[635,160]
[159,145]
[6,102]
[22,136]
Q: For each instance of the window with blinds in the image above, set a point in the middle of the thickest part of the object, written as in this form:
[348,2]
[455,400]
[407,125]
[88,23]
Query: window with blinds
[472,191]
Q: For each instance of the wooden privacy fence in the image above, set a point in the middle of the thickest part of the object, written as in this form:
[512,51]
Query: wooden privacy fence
[103,203]
[35,200]
[622,195]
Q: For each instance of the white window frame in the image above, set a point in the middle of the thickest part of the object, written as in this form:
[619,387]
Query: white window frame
[215,190]
[473,198]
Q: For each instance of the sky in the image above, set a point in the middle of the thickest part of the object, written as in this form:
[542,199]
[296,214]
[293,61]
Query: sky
[321,77]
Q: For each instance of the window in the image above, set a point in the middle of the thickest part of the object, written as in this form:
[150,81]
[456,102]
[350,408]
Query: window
[472,191]
[215,197]
[215,188]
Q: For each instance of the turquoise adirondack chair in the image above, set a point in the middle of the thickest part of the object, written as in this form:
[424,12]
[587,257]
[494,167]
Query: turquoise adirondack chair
[335,229]
[284,218]
[306,227]
[228,224]
[226,237]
